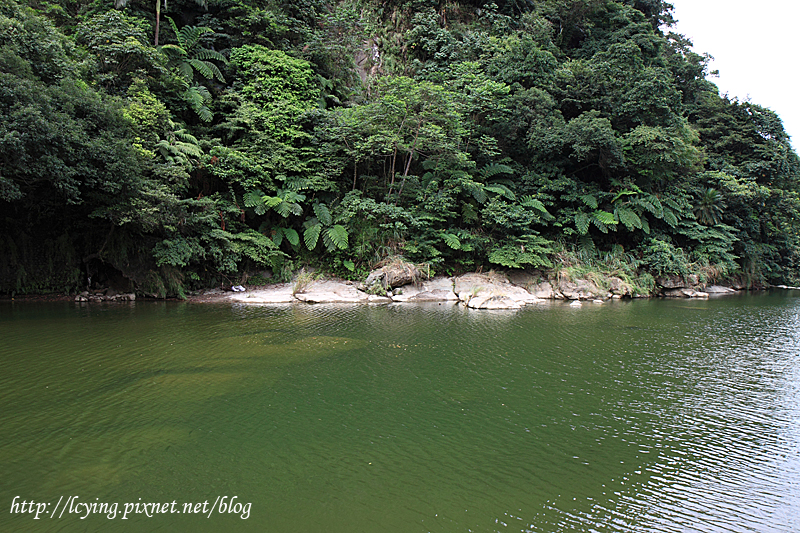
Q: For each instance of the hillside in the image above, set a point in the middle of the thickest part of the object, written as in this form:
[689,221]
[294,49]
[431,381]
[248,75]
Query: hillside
[197,144]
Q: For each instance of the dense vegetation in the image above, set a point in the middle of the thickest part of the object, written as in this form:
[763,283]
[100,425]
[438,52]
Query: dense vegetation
[199,143]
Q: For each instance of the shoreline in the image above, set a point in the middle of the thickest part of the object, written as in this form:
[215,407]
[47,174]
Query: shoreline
[512,290]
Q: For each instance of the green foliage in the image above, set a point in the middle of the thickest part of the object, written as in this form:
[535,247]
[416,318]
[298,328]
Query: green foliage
[530,251]
[663,258]
[567,135]
[119,50]
[272,79]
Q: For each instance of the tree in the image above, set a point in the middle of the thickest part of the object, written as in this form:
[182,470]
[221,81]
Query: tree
[189,57]
[119,4]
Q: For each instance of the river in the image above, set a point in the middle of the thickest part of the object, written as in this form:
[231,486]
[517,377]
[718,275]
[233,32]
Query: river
[631,416]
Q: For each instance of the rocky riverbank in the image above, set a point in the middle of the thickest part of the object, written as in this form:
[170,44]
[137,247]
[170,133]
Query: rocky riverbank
[491,290]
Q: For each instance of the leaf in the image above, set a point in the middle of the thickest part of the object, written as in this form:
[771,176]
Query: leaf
[277,237]
[292,236]
[451,241]
[337,236]
[582,222]
[530,201]
[272,201]
[349,265]
[670,218]
[492,170]
[603,220]
[628,217]
[645,225]
[323,214]
[477,191]
[311,235]
[201,67]
[624,192]
[206,54]
[501,190]
[255,200]
[589,200]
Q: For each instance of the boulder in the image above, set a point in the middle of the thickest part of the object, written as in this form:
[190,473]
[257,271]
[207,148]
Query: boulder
[683,293]
[278,294]
[395,274]
[718,289]
[670,282]
[493,289]
[580,289]
[618,287]
[544,290]
[438,289]
[493,302]
[332,292]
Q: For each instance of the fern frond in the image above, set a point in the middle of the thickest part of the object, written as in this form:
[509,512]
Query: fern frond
[628,218]
[206,54]
[582,222]
[202,67]
[670,218]
[494,169]
[188,149]
[178,35]
[451,240]
[277,236]
[272,201]
[172,52]
[530,201]
[323,214]
[645,225]
[589,200]
[502,190]
[185,70]
[603,220]
[311,235]
[292,236]
[336,236]
[624,192]
[255,200]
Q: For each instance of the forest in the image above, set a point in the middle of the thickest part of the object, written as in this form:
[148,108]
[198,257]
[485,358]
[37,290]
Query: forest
[188,144]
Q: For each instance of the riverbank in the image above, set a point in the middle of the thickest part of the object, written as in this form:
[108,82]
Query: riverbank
[492,290]
[392,284]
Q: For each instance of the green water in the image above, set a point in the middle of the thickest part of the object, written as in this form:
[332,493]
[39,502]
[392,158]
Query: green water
[652,416]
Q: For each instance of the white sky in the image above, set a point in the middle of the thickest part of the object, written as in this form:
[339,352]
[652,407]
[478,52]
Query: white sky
[755,48]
